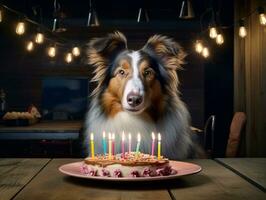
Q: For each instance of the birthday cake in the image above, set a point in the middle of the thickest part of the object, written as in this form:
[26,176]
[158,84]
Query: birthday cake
[127,165]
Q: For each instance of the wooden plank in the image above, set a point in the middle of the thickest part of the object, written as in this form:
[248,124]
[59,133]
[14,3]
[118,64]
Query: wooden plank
[16,173]
[214,182]
[252,169]
[51,184]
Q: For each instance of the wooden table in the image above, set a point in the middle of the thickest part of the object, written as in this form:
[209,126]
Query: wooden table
[244,167]
[40,179]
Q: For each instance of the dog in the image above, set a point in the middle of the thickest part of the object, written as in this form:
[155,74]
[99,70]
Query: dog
[137,92]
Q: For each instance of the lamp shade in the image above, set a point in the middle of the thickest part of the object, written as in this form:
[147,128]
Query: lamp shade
[186,11]
[93,18]
[143,15]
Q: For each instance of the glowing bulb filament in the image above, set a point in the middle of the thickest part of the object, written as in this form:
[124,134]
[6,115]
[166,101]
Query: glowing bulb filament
[198,46]
[30,46]
[219,39]
[52,52]
[20,29]
[213,32]
[68,57]
[39,38]
[262,17]
[242,31]
[76,51]
[205,52]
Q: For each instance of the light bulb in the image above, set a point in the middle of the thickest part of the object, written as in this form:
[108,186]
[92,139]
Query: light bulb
[1,15]
[198,46]
[68,58]
[205,52]
[219,39]
[262,17]
[242,31]
[30,46]
[76,51]
[39,38]
[52,52]
[213,32]
[20,29]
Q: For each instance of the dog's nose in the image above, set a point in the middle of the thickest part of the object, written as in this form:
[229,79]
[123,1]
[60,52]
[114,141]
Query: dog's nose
[134,99]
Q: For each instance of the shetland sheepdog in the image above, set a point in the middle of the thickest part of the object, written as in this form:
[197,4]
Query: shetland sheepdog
[137,92]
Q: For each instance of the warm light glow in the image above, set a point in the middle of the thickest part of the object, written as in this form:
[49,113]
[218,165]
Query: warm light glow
[242,31]
[92,137]
[30,46]
[129,136]
[20,29]
[109,136]
[198,46]
[123,136]
[153,136]
[219,39]
[68,58]
[1,15]
[213,32]
[104,134]
[39,38]
[113,136]
[159,137]
[52,52]
[138,137]
[205,52]
[262,17]
[76,51]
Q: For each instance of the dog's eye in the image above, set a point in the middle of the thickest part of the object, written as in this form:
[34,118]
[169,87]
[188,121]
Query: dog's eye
[147,72]
[121,72]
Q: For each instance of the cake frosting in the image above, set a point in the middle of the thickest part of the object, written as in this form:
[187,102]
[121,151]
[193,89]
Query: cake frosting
[130,165]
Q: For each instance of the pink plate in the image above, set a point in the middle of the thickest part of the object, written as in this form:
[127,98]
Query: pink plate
[182,168]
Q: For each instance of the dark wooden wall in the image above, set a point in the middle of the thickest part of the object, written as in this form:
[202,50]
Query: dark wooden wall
[21,72]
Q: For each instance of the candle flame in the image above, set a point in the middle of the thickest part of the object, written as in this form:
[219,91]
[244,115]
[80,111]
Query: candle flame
[123,136]
[139,137]
[109,136]
[129,136]
[113,136]
[153,136]
[92,137]
[104,134]
[159,137]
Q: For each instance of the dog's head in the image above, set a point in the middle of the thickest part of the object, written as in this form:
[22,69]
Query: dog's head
[134,81]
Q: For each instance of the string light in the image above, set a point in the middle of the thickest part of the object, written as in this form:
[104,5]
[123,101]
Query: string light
[219,39]
[198,46]
[51,52]
[39,38]
[242,29]
[20,28]
[1,15]
[262,16]
[76,51]
[30,46]
[205,52]
[213,32]
[68,58]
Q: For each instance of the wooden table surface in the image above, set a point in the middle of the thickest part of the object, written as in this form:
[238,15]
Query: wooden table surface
[40,179]
[245,168]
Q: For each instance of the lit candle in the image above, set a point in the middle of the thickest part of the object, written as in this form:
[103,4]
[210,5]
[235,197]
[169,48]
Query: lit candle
[123,145]
[104,143]
[138,140]
[152,145]
[129,143]
[159,146]
[113,144]
[92,146]
[110,146]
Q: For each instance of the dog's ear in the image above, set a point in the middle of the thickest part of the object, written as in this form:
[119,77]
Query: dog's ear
[167,50]
[101,52]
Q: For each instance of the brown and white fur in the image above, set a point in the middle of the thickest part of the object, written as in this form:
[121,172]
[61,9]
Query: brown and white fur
[137,91]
